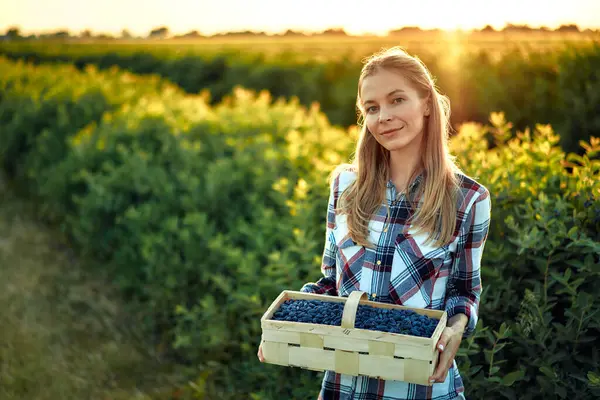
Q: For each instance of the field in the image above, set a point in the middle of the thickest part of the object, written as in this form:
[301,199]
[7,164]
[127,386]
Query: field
[192,176]
[320,49]
[535,78]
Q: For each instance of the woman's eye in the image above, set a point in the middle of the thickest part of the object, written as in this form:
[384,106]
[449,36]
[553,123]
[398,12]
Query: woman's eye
[371,109]
[399,99]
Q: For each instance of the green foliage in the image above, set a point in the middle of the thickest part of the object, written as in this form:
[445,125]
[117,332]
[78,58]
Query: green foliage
[557,86]
[204,214]
[541,264]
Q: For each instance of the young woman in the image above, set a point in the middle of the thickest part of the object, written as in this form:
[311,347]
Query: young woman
[404,224]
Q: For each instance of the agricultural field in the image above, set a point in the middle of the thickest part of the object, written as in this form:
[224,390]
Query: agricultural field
[542,77]
[324,48]
[194,176]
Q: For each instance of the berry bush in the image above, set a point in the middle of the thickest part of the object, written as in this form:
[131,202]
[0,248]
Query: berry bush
[558,86]
[204,214]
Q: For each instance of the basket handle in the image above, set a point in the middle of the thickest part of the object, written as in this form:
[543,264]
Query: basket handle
[351,307]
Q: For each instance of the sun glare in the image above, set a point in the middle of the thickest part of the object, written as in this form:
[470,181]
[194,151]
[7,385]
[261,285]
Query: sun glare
[310,15]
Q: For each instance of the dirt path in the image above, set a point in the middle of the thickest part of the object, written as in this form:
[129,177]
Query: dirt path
[63,332]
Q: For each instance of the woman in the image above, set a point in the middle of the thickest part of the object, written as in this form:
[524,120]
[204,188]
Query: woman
[404,224]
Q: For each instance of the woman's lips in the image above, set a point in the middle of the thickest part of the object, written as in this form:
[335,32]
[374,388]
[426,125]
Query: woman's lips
[391,132]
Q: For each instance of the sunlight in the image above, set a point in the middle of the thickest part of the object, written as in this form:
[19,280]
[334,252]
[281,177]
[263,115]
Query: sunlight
[270,16]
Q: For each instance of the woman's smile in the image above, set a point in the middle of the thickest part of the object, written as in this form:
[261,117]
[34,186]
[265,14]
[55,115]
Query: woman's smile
[391,132]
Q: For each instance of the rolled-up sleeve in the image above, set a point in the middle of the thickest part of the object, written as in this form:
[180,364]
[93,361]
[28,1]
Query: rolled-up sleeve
[464,283]
[327,283]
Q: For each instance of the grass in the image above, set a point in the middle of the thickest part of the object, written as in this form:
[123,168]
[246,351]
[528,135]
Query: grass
[64,333]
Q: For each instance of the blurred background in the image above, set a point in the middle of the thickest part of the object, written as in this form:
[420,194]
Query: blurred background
[164,177]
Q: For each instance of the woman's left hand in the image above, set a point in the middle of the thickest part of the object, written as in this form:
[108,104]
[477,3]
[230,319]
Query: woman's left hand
[448,346]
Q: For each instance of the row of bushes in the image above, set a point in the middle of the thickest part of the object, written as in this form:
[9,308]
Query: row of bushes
[560,87]
[203,214]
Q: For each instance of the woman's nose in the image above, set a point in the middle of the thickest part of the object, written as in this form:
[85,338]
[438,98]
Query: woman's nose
[383,116]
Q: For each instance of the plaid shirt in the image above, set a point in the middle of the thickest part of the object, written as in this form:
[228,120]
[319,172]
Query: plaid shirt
[403,270]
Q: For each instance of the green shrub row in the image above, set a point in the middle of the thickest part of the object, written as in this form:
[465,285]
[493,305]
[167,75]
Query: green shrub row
[558,87]
[203,214]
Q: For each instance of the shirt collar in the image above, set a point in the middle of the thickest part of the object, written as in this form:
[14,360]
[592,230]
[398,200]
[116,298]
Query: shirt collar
[416,182]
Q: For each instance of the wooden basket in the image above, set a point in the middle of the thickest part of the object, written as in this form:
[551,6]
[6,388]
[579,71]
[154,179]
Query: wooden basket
[349,350]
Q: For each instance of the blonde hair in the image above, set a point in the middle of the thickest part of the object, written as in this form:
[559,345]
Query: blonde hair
[438,190]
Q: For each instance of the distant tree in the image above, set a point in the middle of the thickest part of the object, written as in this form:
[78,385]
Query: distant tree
[335,32]
[159,33]
[488,28]
[125,34]
[190,35]
[13,33]
[517,28]
[568,28]
[60,34]
[86,34]
[193,34]
[406,29]
[290,32]
[241,33]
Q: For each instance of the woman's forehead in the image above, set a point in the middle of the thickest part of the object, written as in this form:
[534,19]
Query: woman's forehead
[384,83]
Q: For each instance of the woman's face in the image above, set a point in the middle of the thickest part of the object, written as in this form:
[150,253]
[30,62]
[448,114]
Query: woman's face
[394,112]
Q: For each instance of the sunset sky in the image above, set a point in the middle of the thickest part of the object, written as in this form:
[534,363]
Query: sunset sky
[356,17]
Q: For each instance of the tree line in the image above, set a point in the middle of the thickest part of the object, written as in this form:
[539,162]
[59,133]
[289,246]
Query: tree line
[163,32]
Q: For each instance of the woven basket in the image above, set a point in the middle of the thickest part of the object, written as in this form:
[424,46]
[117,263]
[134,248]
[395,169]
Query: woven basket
[349,350]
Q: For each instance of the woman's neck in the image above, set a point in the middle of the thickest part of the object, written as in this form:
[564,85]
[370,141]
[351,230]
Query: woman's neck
[402,164]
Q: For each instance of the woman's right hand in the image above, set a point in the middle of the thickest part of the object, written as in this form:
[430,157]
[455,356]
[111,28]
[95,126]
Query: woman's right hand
[260,354]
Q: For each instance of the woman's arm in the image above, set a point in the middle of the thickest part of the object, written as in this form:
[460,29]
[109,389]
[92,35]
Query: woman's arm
[464,283]
[327,284]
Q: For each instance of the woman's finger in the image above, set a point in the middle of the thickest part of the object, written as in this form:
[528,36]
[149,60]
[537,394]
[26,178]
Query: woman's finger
[260,354]
[441,371]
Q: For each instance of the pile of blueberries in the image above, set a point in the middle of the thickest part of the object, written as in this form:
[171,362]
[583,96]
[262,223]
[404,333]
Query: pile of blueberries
[406,322]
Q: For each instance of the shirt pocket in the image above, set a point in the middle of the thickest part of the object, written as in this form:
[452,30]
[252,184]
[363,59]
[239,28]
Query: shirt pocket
[421,261]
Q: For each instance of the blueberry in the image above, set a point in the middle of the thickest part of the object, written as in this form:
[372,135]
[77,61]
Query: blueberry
[367,317]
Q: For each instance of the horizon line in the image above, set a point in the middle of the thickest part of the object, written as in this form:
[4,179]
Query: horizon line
[331,30]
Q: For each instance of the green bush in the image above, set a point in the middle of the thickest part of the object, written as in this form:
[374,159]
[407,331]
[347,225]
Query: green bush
[204,214]
[558,86]
[539,313]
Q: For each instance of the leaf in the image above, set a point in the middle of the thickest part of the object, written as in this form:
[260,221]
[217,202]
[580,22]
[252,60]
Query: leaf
[567,274]
[587,339]
[502,329]
[548,372]
[594,379]
[499,347]
[511,377]
[476,369]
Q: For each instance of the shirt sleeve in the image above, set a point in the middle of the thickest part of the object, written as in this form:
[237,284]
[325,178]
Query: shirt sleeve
[464,283]
[327,283]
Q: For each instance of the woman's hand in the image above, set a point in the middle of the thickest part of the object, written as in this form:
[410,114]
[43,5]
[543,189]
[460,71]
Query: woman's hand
[260,354]
[448,346]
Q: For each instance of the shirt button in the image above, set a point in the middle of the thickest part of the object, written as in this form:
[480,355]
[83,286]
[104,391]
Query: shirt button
[378,262]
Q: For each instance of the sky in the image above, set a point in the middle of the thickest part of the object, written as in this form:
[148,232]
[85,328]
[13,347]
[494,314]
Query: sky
[139,17]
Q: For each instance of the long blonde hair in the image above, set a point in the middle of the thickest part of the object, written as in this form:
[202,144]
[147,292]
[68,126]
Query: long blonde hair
[438,190]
